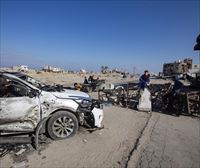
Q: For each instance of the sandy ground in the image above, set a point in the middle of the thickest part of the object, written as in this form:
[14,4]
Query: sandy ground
[109,147]
[168,141]
[129,139]
[67,79]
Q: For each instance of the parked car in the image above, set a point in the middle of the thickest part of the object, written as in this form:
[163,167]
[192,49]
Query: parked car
[24,105]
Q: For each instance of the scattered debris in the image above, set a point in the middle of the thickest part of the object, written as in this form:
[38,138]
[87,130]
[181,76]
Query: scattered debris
[5,149]
[85,140]
[20,151]
[17,150]
[123,94]
[20,165]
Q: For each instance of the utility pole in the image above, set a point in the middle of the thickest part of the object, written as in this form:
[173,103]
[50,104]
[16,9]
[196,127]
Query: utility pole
[134,70]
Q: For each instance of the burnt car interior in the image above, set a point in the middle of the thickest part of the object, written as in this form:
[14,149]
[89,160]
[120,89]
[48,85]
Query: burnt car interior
[10,88]
[38,84]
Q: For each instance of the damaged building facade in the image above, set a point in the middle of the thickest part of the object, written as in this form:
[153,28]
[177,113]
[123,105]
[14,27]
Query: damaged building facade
[177,67]
[48,68]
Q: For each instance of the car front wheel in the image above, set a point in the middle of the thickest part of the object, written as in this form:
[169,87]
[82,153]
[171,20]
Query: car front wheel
[62,125]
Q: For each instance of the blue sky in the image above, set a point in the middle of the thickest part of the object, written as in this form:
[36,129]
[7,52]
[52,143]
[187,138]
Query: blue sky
[87,34]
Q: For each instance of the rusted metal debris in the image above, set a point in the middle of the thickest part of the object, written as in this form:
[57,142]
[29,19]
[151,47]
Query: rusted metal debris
[124,95]
[127,95]
[187,102]
[193,102]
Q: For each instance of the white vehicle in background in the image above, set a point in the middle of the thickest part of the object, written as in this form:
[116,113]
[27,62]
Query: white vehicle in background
[26,108]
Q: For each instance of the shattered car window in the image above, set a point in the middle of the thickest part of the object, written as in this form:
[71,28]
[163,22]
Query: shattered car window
[34,82]
[43,86]
[9,88]
[3,83]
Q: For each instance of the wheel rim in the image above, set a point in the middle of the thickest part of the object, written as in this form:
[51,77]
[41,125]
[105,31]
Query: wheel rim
[63,127]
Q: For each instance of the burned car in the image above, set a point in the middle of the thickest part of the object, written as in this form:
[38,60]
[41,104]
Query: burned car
[25,108]
[39,84]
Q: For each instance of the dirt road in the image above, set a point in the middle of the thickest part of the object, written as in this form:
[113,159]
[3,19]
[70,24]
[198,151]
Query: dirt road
[169,141]
[129,139]
[108,147]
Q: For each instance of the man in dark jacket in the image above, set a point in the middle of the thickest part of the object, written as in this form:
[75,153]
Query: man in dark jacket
[85,80]
[144,80]
[174,95]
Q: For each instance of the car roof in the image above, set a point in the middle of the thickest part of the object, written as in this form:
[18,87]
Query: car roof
[12,76]
[17,74]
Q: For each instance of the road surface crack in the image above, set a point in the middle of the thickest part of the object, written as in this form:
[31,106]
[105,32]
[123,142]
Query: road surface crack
[137,142]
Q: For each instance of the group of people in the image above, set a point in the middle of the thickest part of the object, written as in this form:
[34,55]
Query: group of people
[90,79]
[169,97]
[144,82]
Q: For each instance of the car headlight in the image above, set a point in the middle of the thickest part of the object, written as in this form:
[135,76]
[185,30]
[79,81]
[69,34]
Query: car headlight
[84,101]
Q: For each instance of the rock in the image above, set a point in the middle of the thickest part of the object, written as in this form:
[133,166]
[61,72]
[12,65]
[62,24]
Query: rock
[19,165]
[85,140]
[20,151]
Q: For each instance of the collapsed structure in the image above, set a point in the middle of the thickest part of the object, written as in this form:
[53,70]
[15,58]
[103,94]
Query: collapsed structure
[177,67]
[181,67]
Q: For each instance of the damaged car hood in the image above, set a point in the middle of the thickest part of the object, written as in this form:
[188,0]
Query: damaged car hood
[72,94]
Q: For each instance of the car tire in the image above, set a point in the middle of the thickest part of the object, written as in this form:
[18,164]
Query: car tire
[62,125]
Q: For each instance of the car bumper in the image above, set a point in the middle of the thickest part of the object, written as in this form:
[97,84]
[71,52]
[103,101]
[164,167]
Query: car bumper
[98,117]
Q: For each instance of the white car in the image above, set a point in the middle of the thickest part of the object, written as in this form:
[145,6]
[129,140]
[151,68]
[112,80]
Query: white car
[23,106]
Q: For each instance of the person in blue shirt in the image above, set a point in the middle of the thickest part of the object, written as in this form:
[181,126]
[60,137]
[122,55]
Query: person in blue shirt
[144,80]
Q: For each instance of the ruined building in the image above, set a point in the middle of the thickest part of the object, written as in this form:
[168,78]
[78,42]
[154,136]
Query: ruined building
[176,68]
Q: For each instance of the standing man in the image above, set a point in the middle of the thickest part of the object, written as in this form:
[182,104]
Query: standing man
[85,80]
[144,95]
[174,96]
[144,80]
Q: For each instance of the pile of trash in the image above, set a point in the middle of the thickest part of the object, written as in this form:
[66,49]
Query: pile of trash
[15,150]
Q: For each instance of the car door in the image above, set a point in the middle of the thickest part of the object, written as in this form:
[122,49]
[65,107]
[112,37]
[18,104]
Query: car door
[19,110]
